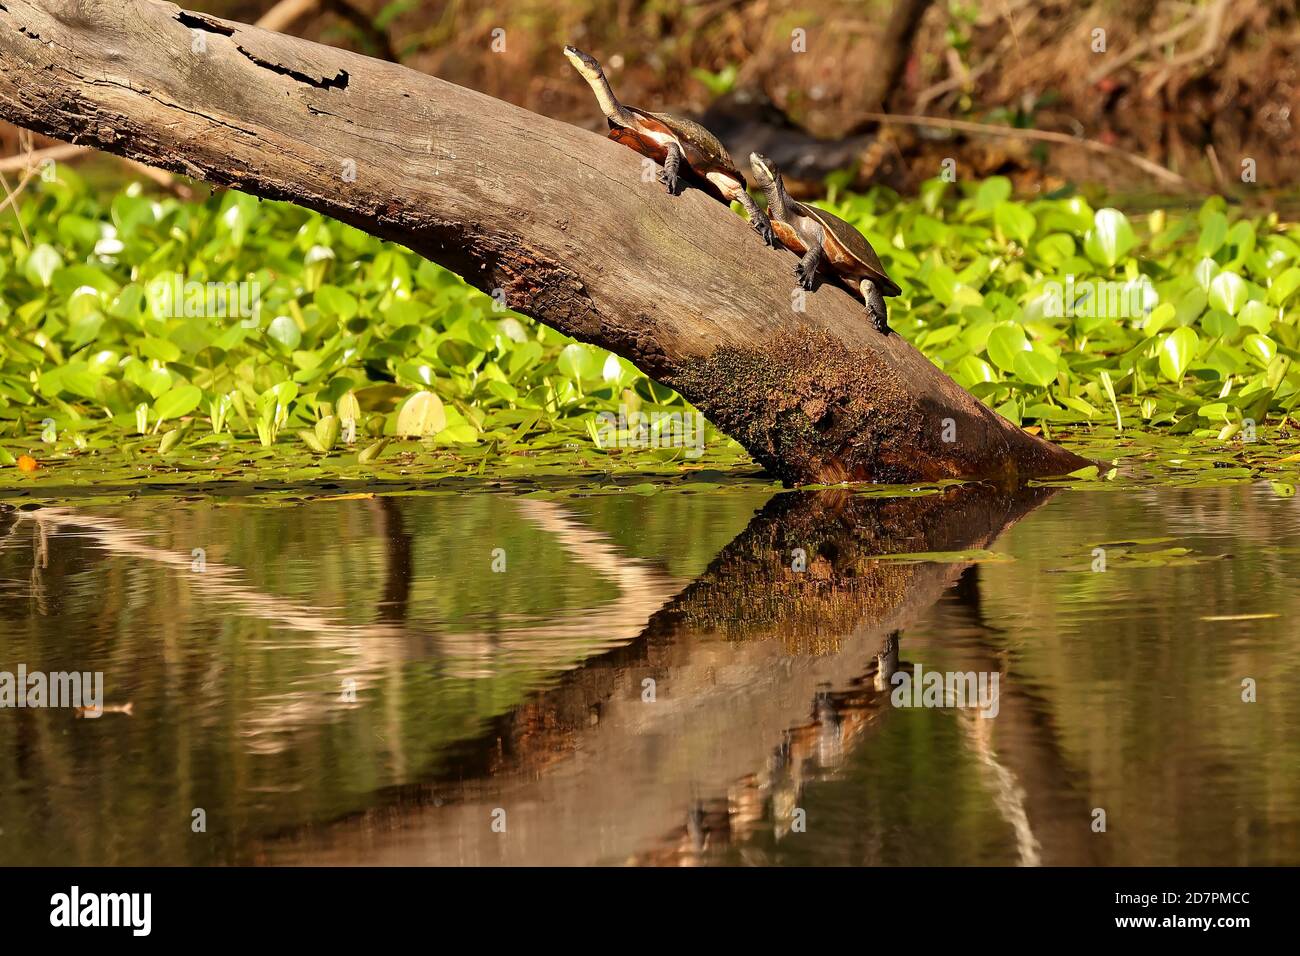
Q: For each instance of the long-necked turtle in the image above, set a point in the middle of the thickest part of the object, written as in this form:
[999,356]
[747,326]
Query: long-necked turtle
[685,148]
[820,237]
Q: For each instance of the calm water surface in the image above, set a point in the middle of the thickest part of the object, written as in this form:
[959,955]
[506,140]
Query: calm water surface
[646,679]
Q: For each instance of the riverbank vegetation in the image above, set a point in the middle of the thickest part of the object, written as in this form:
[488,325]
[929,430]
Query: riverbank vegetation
[149,338]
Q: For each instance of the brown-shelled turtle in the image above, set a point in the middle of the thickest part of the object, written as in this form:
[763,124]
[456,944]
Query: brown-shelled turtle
[822,238]
[685,149]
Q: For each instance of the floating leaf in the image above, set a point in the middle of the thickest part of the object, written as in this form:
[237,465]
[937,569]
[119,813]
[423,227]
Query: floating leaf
[373,452]
[169,441]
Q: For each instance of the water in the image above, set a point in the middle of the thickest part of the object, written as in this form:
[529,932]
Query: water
[649,681]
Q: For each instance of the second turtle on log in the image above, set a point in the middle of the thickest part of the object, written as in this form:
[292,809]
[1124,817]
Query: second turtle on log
[822,238]
[685,148]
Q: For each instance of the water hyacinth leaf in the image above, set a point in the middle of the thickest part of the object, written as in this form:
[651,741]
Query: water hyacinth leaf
[41,265]
[1205,272]
[1054,249]
[1241,238]
[1034,368]
[1110,238]
[1256,315]
[1081,405]
[421,415]
[336,303]
[1214,230]
[179,401]
[1190,306]
[349,409]
[462,433]
[1218,324]
[372,452]
[1228,292]
[1158,318]
[169,441]
[1015,221]
[284,330]
[160,350]
[1005,342]
[992,192]
[942,283]
[1284,285]
[578,362]
[1261,347]
[327,432]
[1177,350]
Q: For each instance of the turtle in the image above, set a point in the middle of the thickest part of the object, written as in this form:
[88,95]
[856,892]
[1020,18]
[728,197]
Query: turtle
[820,237]
[686,149]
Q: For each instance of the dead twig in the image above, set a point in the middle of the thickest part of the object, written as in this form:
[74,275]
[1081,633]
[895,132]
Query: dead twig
[36,157]
[11,195]
[1172,35]
[1046,136]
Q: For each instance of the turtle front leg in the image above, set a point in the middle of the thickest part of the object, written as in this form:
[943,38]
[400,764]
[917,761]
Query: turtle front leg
[875,306]
[668,175]
[757,218]
[806,270]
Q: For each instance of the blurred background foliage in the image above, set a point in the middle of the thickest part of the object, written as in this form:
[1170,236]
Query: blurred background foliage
[1193,85]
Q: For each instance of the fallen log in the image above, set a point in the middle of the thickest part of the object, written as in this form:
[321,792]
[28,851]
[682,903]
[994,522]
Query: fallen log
[556,219]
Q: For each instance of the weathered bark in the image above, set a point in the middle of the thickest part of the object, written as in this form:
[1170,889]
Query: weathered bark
[558,218]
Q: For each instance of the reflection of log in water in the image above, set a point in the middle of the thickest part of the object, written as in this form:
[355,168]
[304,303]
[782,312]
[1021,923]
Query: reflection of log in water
[1019,755]
[606,763]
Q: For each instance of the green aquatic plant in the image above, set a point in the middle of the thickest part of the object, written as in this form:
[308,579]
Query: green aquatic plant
[136,326]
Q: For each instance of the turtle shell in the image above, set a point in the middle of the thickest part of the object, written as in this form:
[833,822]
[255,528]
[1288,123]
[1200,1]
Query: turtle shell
[846,246]
[703,150]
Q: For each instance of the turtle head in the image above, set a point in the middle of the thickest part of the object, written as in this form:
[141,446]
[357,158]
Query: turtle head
[584,63]
[766,173]
[768,177]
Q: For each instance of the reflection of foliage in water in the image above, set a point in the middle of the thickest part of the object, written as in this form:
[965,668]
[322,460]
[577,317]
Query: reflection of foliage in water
[239,714]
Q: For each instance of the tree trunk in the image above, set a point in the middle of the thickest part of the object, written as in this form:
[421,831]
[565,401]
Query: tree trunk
[557,218]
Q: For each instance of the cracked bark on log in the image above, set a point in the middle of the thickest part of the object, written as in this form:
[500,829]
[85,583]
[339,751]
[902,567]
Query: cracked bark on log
[555,216]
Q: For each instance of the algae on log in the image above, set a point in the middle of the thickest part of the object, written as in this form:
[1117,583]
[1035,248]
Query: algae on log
[558,219]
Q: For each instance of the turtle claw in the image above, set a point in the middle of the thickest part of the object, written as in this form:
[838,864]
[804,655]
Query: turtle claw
[767,234]
[880,320]
[671,183]
[805,277]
